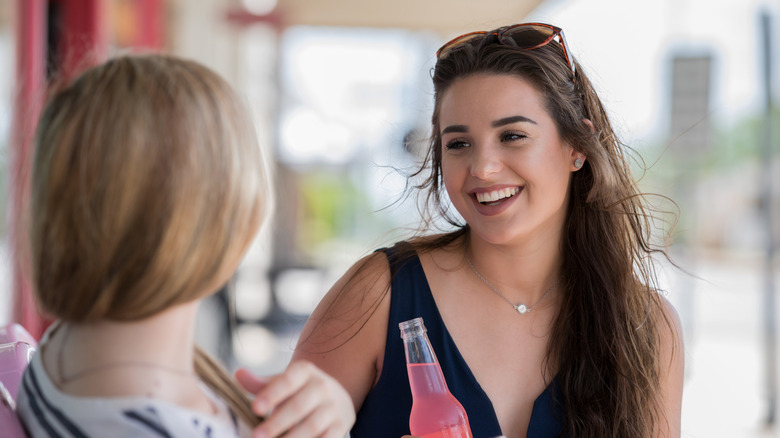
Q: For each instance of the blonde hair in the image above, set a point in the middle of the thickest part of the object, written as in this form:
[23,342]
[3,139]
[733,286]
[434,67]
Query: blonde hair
[148,187]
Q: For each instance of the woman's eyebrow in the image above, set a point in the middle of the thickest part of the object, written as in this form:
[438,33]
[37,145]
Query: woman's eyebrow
[455,128]
[510,120]
[495,124]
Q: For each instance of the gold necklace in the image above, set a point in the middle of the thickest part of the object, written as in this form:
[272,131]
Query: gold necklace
[520,308]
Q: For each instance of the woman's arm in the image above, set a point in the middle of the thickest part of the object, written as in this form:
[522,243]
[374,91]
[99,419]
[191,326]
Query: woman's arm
[336,362]
[672,363]
[345,335]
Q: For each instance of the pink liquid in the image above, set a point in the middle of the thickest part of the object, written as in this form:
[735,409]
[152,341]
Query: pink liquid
[436,413]
[453,432]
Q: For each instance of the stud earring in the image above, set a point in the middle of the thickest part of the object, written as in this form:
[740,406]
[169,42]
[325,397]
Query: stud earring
[578,163]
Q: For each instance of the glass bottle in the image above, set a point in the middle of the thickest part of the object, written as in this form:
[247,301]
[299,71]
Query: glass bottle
[436,413]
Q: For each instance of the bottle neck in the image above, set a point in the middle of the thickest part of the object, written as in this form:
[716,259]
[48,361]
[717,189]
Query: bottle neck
[425,374]
[418,350]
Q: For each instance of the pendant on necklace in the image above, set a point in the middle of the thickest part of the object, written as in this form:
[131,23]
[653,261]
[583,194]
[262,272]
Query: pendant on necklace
[521,309]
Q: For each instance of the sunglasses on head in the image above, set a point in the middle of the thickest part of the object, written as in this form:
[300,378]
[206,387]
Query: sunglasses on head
[526,36]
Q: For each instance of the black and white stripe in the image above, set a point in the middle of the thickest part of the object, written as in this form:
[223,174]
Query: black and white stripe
[52,420]
[149,419]
[45,412]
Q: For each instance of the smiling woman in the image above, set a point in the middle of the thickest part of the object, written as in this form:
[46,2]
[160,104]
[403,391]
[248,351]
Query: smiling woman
[505,156]
[550,222]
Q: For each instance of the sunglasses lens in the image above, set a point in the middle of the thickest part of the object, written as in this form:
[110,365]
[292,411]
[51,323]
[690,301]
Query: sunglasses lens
[457,43]
[527,36]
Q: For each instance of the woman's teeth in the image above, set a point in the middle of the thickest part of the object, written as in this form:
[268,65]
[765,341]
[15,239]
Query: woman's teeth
[496,195]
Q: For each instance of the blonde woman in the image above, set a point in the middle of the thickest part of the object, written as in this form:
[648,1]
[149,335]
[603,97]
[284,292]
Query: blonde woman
[148,186]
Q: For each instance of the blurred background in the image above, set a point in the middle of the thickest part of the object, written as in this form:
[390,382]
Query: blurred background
[342,99]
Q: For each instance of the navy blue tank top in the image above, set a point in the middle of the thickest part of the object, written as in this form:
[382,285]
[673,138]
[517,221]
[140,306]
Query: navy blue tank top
[385,411]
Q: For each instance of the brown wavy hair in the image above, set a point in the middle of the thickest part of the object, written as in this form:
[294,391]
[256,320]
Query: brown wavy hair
[147,188]
[605,342]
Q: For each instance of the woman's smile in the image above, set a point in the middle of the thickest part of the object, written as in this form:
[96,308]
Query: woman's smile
[491,202]
[495,197]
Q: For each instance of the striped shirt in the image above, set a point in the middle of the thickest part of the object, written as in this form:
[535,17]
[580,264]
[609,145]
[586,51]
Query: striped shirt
[46,411]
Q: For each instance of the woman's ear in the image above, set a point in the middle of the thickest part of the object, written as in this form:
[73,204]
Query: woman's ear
[590,125]
[578,158]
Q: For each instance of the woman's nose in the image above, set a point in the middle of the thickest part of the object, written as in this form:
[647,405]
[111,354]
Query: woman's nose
[486,162]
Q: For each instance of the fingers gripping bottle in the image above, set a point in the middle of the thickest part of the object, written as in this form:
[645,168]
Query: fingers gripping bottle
[436,413]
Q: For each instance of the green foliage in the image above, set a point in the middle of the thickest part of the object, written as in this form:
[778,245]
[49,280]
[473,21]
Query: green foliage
[329,205]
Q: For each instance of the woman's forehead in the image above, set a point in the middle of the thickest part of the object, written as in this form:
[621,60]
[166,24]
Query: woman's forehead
[491,97]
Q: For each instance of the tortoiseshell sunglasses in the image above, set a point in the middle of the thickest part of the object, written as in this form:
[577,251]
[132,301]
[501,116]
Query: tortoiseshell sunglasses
[527,36]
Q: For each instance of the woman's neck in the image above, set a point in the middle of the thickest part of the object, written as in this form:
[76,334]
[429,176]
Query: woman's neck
[112,358]
[522,272]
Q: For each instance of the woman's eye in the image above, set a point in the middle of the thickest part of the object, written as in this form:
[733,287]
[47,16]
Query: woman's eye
[456,144]
[512,136]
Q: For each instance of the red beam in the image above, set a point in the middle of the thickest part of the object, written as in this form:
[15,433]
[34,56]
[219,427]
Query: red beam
[82,35]
[30,80]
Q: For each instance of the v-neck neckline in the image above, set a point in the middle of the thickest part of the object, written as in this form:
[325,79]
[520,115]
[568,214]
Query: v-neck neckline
[449,340]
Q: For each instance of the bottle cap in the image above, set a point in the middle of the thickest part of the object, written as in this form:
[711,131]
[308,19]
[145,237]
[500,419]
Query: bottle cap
[412,327]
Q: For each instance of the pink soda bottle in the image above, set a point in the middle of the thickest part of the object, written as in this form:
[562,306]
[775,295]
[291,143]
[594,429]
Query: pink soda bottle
[436,413]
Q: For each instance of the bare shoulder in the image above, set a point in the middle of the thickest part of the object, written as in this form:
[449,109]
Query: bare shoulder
[671,368]
[345,335]
[670,327]
[349,304]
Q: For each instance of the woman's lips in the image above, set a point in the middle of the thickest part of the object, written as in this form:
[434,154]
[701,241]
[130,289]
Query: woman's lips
[493,196]
[493,202]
